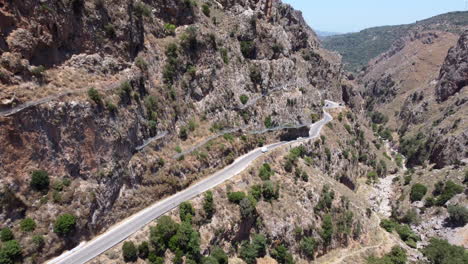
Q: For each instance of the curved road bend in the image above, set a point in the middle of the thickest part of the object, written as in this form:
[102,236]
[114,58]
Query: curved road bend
[89,250]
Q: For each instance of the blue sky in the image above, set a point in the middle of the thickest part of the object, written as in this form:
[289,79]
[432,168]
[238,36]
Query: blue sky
[354,15]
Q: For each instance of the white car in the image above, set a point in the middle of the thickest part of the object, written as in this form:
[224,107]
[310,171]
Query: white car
[264,149]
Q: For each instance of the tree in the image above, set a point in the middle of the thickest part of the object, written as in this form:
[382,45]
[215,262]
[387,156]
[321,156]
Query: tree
[441,252]
[186,212]
[282,255]
[39,180]
[154,259]
[65,224]
[417,192]
[247,207]
[6,234]
[248,253]
[10,252]
[458,215]
[186,240]
[327,230]
[308,245]
[219,255]
[259,243]
[208,204]
[162,233]
[143,250]
[28,225]
[129,251]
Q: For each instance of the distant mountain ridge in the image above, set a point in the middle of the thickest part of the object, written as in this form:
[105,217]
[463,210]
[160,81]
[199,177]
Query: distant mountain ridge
[359,48]
[325,34]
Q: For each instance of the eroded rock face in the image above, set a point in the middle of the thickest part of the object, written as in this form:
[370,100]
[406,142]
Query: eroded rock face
[454,72]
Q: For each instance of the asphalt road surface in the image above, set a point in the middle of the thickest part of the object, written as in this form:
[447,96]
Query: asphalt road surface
[89,250]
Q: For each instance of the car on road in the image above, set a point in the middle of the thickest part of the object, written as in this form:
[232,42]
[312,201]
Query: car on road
[264,149]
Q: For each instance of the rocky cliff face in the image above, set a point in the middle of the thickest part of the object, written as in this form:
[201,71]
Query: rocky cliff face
[407,84]
[175,66]
[454,73]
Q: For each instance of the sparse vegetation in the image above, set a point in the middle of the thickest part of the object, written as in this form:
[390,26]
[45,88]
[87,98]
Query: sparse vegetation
[396,256]
[208,204]
[265,172]
[458,215]
[248,49]
[206,10]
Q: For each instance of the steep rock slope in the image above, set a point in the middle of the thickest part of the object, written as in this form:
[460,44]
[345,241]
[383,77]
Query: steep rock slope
[403,86]
[190,68]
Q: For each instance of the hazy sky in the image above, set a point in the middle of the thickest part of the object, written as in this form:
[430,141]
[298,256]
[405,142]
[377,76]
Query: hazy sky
[354,15]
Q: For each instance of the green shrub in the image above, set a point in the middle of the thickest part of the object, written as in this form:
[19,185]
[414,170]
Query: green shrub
[282,255]
[449,191]
[110,31]
[178,149]
[268,122]
[396,256]
[169,29]
[408,179]
[143,250]
[417,192]
[189,40]
[27,225]
[244,99]
[125,90]
[236,197]
[111,107]
[255,75]
[183,133]
[141,63]
[224,55]
[206,10]
[186,212]
[379,118]
[265,172]
[388,225]
[327,230]
[458,215]
[326,199]
[39,180]
[65,224]
[10,252]
[270,191]
[248,49]
[129,251]
[94,95]
[6,234]
[248,253]
[208,204]
[247,207]
[441,252]
[38,242]
[219,255]
[142,9]
[186,240]
[406,234]
[38,71]
[308,245]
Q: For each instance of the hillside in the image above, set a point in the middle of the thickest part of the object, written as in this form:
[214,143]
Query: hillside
[359,48]
[108,107]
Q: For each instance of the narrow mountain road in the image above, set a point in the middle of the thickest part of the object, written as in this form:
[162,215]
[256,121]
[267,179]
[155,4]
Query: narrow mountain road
[89,250]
